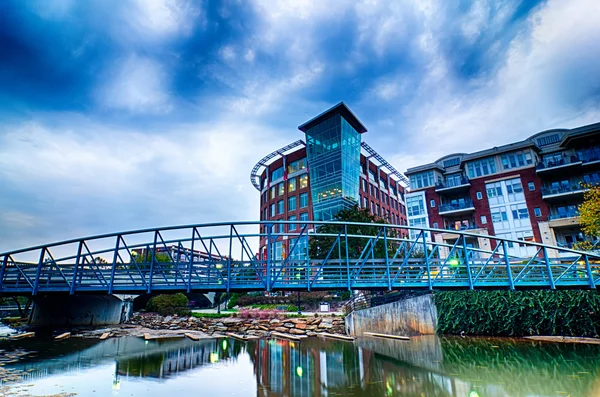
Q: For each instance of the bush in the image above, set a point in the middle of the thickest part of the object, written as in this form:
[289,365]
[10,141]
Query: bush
[519,313]
[233,300]
[169,304]
[213,315]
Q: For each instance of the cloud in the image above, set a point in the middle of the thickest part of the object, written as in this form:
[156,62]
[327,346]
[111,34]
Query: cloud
[135,84]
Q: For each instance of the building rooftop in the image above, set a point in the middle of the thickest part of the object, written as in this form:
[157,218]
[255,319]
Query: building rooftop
[340,108]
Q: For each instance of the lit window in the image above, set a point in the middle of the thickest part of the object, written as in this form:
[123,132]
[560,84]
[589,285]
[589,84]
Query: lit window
[303,181]
[280,189]
[272,192]
[292,185]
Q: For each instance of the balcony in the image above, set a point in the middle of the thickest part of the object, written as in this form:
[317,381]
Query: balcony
[453,186]
[566,162]
[457,207]
[563,215]
[574,189]
[564,219]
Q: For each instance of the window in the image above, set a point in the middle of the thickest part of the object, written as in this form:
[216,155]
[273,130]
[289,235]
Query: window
[292,203]
[377,210]
[304,200]
[296,166]
[272,210]
[365,202]
[280,228]
[451,162]
[278,173]
[517,159]
[479,195]
[421,180]
[531,186]
[547,140]
[272,192]
[432,203]
[292,226]
[415,205]
[363,183]
[482,167]
[537,211]
[499,215]
[280,189]
[280,209]
[303,217]
[519,211]
[483,219]
[291,185]
[303,180]
[372,208]
[372,176]
[436,225]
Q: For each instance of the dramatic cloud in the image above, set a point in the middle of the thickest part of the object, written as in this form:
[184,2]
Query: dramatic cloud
[120,115]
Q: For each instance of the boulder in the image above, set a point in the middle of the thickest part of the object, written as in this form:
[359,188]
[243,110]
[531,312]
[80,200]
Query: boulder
[295,331]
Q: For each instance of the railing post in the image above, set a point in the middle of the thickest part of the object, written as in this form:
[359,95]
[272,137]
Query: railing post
[152,262]
[387,259]
[587,268]
[114,265]
[429,281]
[191,262]
[269,231]
[307,269]
[467,265]
[347,257]
[508,270]
[2,270]
[39,271]
[229,258]
[550,276]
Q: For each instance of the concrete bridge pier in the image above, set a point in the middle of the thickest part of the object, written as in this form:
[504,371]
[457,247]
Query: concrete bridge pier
[81,310]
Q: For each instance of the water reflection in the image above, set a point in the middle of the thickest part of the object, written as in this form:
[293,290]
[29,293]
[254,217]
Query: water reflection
[429,366]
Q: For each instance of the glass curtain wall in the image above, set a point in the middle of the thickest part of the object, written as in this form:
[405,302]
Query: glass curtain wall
[333,154]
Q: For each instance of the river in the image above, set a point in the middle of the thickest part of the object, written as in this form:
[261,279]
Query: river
[424,367]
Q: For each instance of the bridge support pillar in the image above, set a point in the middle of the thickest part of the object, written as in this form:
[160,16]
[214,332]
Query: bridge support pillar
[81,310]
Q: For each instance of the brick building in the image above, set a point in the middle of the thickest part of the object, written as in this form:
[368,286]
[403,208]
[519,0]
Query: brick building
[527,190]
[331,169]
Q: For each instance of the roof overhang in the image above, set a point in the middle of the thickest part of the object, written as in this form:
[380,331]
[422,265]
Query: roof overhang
[341,109]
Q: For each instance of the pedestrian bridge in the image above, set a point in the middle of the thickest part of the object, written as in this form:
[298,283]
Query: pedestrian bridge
[320,256]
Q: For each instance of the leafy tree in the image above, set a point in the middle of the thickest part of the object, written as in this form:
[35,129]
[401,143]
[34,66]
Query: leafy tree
[169,304]
[319,246]
[145,258]
[589,211]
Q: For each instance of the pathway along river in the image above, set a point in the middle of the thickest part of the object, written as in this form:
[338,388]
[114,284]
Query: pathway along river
[425,366]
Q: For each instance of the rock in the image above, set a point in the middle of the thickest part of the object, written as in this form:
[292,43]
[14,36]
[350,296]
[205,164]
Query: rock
[275,321]
[301,326]
[289,325]
[310,327]
[325,326]
[295,331]
[298,320]
[281,329]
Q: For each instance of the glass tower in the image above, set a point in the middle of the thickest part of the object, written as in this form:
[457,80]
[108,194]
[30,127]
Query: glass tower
[333,155]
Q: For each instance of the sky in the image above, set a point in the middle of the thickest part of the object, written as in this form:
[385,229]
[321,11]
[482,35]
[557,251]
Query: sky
[118,115]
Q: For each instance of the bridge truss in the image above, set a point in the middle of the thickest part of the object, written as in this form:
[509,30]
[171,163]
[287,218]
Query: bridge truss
[222,257]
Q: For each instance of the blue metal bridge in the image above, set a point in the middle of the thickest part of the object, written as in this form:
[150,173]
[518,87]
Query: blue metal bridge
[222,257]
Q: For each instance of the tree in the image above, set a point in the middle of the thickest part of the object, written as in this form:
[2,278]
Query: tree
[145,258]
[589,211]
[319,246]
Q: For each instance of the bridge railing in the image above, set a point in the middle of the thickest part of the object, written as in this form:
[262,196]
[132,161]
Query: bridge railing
[317,256]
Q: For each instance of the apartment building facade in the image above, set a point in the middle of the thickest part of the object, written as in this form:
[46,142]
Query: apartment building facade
[527,190]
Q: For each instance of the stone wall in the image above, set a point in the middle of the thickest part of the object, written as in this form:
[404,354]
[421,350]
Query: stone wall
[408,317]
[308,326]
[78,310]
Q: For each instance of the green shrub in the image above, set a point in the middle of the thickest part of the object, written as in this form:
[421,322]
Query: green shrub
[212,315]
[233,300]
[169,304]
[519,313]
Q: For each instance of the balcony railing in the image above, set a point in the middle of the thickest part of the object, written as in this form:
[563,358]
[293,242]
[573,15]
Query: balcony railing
[467,204]
[567,160]
[452,183]
[563,215]
[562,189]
[461,228]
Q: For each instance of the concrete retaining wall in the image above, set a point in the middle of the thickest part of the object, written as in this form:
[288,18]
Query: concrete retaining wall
[408,317]
[78,310]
